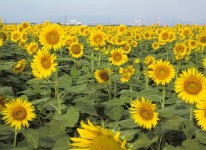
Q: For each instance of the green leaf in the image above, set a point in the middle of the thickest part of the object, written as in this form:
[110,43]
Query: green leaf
[37,101]
[126,123]
[32,137]
[61,143]
[85,108]
[65,81]
[115,113]
[174,123]
[74,73]
[70,118]
[142,142]
[115,102]
[201,136]
[5,90]
[77,88]
[192,144]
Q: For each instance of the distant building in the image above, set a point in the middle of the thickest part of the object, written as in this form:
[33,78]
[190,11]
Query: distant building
[72,22]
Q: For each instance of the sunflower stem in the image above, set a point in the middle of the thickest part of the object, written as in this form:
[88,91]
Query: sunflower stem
[115,89]
[15,136]
[130,88]
[57,92]
[191,113]
[196,61]
[92,61]
[163,97]
[99,58]
[146,80]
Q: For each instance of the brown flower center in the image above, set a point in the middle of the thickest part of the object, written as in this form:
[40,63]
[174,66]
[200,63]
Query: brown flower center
[46,62]
[19,113]
[192,86]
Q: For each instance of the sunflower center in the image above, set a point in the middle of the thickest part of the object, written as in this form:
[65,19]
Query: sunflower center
[162,73]
[52,37]
[192,86]
[34,48]
[46,62]
[76,49]
[104,76]
[147,114]
[98,39]
[104,142]
[165,36]
[180,49]
[117,57]
[19,113]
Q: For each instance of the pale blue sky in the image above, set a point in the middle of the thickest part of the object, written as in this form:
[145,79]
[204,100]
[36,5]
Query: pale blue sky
[104,11]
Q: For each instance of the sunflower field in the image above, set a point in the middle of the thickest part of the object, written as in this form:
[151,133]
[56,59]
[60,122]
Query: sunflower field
[102,87]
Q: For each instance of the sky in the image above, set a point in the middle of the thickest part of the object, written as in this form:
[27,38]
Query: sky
[144,12]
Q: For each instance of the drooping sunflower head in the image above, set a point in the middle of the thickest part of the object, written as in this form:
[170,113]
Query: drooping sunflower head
[97,38]
[143,113]
[32,48]
[191,86]
[18,112]
[200,114]
[118,57]
[43,64]
[149,60]
[52,36]
[103,75]
[76,50]
[162,72]
[20,66]
[97,138]
[2,102]
[1,42]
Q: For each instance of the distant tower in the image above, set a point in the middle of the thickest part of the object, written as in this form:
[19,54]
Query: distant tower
[159,21]
[139,20]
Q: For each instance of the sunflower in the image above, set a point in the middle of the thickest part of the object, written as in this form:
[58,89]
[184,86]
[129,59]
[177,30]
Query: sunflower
[118,57]
[191,86]
[200,114]
[143,113]
[2,102]
[155,45]
[52,36]
[103,75]
[43,64]
[126,73]
[20,66]
[164,36]
[204,63]
[97,38]
[18,112]
[76,50]
[32,48]
[162,72]
[180,49]
[1,42]
[97,138]
[149,60]
[15,36]
[126,47]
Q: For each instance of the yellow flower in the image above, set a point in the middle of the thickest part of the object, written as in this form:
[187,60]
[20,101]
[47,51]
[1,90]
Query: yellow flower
[149,60]
[18,112]
[20,66]
[155,45]
[52,36]
[76,50]
[97,38]
[103,75]
[32,48]
[126,73]
[191,86]
[143,113]
[1,42]
[200,114]
[2,102]
[97,138]
[15,36]
[43,64]
[118,57]
[162,72]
